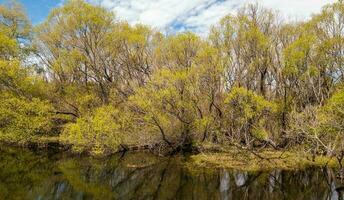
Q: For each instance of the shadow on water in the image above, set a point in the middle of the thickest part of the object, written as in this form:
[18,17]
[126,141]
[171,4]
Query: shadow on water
[28,175]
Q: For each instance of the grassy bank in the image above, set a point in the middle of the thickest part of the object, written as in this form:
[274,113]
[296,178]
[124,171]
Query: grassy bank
[260,161]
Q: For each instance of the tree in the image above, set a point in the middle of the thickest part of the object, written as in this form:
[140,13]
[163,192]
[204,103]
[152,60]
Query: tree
[181,101]
[246,41]
[15,29]
[85,45]
[246,117]
[23,114]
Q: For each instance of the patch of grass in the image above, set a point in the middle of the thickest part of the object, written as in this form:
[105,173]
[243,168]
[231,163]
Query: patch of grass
[260,161]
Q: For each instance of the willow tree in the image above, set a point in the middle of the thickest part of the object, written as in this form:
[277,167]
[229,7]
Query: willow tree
[92,58]
[328,27]
[15,28]
[72,45]
[246,41]
[182,100]
[14,21]
[23,112]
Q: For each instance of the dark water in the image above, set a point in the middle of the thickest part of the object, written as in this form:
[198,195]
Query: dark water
[28,175]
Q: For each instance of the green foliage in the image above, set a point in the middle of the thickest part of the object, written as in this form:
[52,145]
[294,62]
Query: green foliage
[13,20]
[260,133]
[321,127]
[334,110]
[97,132]
[178,51]
[331,117]
[15,31]
[247,114]
[21,119]
[8,46]
[165,103]
[297,55]
[21,80]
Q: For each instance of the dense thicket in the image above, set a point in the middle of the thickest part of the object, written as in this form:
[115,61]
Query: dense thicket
[102,85]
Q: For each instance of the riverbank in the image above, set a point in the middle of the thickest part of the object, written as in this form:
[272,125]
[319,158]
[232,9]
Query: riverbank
[264,160]
[209,156]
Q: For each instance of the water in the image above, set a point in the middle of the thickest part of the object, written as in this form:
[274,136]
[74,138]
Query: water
[28,175]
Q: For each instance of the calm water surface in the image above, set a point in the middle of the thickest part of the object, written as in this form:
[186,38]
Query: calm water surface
[28,175]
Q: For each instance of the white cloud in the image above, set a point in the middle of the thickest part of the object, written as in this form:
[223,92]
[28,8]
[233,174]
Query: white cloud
[300,9]
[199,15]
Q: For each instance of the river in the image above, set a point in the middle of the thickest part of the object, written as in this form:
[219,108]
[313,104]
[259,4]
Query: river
[39,175]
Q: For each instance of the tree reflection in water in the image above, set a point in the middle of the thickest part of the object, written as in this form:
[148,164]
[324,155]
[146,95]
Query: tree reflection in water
[29,175]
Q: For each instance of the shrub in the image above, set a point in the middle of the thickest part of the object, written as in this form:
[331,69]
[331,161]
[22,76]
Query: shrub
[247,115]
[21,119]
[331,118]
[96,132]
[320,128]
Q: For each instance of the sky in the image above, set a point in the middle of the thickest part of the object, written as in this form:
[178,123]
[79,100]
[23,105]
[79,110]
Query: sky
[180,15]
[38,10]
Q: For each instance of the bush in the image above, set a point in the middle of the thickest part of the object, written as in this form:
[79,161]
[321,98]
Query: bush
[21,119]
[331,118]
[332,114]
[320,128]
[96,132]
[247,115]
[304,127]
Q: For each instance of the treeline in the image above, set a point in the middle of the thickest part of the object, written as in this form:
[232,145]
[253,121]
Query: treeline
[101,85]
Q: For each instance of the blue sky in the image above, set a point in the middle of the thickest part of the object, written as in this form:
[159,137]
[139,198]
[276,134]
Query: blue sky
[38,10]
[180,15]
